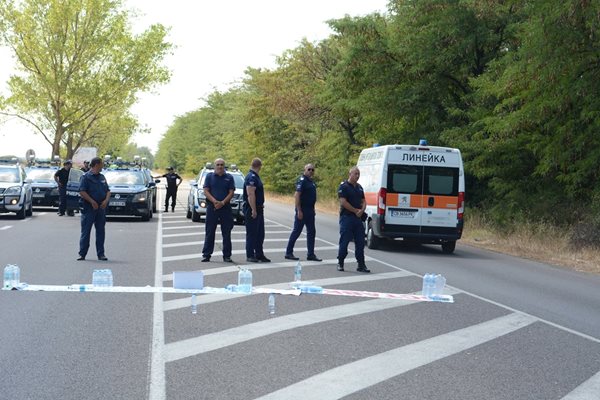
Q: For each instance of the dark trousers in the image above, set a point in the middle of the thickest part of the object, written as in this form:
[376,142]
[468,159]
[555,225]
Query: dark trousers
[171,194]
[221,216]
[255,233]
[351,227]
[89,218]
[308,219]
[62,198]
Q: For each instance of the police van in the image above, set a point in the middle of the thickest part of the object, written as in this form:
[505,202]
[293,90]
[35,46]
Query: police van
[414,193]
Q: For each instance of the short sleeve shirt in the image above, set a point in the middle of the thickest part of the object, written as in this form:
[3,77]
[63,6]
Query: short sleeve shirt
[308,192]
[63,176]
[252,179]
[353,195]
[219,185]
[171,180]
[95,186]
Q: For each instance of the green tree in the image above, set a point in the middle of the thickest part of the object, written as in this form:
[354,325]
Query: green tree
[79,64]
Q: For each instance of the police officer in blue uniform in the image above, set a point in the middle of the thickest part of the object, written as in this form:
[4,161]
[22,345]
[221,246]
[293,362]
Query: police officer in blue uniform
[254,200]
[352,214]
[62,177]
[219,188]
[95,195]
[305,199]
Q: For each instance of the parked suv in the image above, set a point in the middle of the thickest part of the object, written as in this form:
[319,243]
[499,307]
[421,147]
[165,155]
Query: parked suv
[43,185]
[130,192]
[197,200]
[15,190]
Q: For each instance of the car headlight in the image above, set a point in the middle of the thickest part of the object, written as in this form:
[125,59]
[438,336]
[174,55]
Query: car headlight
[54,192]
[140,197]
[13,191]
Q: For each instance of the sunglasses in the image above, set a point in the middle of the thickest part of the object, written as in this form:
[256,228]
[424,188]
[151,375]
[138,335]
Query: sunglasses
[220,165]
[310,169]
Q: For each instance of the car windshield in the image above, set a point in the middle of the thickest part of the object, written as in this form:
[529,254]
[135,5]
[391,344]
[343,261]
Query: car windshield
[239,181]
[41,174]
[116,177]
[10,175]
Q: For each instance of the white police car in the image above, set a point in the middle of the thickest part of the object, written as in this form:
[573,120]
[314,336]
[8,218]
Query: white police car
[15,190]
[196,207]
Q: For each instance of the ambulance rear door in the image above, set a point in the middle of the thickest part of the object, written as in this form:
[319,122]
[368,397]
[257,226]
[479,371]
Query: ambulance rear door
[404,196]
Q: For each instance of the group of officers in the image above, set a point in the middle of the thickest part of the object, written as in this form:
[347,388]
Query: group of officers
[219,188]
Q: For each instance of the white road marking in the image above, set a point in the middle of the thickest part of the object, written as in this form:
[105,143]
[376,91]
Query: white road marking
[242,251]
[588,390]
[213,341]
[157,390]
[201,242]
[185,302]
[342,381]
[6,227]
[181,227]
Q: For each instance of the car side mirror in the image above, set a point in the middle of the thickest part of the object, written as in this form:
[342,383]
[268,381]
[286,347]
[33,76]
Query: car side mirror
[157,181]
[151,184]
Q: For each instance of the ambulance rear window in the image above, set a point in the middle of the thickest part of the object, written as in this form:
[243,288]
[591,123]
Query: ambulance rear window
[404,179]
[441,181]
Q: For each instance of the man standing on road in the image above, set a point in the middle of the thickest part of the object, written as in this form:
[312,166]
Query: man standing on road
[305,199]
[95,195]
[62,177]
[219,188]
[254,200]
[172,186]
[352,213]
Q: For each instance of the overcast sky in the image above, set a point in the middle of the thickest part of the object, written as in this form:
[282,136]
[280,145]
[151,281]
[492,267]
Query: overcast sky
[215,42]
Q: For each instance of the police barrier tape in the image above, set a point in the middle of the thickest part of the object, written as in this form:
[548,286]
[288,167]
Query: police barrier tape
[210,290]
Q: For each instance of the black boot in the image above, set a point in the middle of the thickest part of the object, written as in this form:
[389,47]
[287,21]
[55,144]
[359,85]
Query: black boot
[363,268]
[340,265]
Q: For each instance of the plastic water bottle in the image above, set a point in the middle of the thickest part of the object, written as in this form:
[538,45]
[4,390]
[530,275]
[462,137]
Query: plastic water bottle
[245,280]
[440,283]
[298,272]
[12,276]
[426,279]
[271,304]
[194,305]
[102,278]
[311,289]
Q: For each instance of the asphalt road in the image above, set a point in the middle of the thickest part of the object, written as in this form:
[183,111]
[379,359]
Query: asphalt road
[517,330]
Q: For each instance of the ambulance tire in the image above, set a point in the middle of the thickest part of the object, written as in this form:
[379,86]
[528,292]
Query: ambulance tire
[373,242]
[448,247]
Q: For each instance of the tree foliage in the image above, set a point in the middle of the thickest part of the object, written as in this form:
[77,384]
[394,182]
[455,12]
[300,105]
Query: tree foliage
[79,68]
[514,85]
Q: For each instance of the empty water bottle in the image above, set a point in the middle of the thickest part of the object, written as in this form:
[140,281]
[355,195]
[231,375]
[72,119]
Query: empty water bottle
[245,280]
[194,304]
[298,272]
[311,289]
[271,304]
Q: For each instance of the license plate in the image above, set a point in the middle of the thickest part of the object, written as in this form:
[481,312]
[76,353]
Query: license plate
[117,203]
[403,213]
[39,194]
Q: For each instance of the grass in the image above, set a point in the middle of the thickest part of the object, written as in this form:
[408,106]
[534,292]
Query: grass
[536,241]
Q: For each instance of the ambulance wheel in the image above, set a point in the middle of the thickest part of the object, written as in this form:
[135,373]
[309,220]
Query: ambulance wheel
[195,216]
[448,247]
[373,242]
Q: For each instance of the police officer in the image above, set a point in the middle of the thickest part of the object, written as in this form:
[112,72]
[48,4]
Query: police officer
[172,186]
[219,188]
[62,177]
[95,195]
[352,212]
[254,200]
[305,199]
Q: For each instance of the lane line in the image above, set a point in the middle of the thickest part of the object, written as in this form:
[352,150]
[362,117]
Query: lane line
[213,341]
[201,242]
[234,252]
[213,298]
[342,381]
[157,389]
[6,227]
[588,390]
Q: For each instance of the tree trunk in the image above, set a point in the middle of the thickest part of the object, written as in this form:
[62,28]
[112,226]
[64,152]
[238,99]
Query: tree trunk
[57,137]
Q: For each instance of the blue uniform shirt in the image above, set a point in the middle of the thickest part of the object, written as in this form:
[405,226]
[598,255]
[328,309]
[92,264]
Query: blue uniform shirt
[219,185]
[94,185]
[252,179]
[352,194]
[308,192]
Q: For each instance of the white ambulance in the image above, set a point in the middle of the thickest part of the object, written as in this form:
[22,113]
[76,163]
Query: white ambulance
[414,193]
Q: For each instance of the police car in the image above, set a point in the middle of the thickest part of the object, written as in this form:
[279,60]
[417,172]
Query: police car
[43,185]
[130,192]
[197,199]
[73,191]
[15,190]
